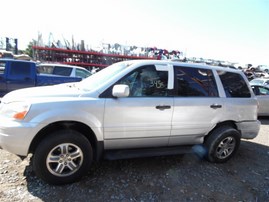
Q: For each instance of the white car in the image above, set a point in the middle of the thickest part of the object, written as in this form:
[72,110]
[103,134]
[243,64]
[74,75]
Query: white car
[260,81]
[129,109]
[63,70]
[263,68]
[262,94]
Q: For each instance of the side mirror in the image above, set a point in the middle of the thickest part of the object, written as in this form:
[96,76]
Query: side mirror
[121,90]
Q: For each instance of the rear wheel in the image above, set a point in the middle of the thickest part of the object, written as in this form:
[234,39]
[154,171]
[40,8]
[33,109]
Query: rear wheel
[62,157]
[222,144]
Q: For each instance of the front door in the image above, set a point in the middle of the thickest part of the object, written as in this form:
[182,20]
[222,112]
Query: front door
[20,75]
[144,118]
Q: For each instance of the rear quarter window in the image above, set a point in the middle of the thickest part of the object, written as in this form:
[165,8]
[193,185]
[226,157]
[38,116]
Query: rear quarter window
[234,85]
[62,71]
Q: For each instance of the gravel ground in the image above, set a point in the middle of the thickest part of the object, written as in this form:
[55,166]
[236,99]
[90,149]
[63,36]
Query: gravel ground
[174,178]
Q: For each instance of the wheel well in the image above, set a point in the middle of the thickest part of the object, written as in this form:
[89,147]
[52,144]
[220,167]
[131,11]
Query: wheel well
[72,125]
[221,124]
[227,123]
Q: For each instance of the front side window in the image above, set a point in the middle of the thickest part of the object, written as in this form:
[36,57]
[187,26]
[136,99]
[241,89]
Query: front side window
[146,81]
[195,82]
[234,84]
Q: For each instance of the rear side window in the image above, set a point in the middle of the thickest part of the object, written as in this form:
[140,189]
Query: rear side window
[195,82]
[234,85]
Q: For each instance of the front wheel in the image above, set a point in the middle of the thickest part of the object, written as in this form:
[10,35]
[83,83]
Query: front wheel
[62,157]
[222,144]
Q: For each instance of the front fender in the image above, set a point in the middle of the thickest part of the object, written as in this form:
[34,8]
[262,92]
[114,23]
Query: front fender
[89,114]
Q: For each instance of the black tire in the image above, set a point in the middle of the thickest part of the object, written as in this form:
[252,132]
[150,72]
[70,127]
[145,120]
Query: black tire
[222,144]
[62,157]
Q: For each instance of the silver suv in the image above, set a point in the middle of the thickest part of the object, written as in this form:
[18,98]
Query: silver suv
[129,109]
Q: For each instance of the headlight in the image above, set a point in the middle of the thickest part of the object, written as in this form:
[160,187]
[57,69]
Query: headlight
[16,110]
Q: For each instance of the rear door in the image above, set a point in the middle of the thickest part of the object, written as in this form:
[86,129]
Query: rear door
[240,102]
[197,105]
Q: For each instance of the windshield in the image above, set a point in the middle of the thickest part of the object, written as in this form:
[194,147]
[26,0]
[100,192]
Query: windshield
[103,76]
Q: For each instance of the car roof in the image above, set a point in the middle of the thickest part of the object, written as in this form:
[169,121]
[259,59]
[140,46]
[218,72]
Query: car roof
[164,62]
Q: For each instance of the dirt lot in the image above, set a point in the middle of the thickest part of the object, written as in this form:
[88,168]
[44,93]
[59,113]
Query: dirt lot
[173,178]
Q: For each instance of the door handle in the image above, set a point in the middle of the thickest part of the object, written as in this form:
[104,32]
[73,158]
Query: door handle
[163,107]
[215,106]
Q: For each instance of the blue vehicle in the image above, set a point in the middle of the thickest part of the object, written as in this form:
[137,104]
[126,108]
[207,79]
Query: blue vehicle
[17,74]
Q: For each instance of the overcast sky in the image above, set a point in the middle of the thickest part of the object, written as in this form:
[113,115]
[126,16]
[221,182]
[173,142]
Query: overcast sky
[234,30]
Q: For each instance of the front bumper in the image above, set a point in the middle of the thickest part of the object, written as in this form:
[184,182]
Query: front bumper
[249,129]
[16,137]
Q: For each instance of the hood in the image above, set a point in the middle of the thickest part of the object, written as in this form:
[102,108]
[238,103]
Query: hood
[60,90]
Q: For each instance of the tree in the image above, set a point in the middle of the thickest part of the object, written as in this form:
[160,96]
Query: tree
[29,50]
